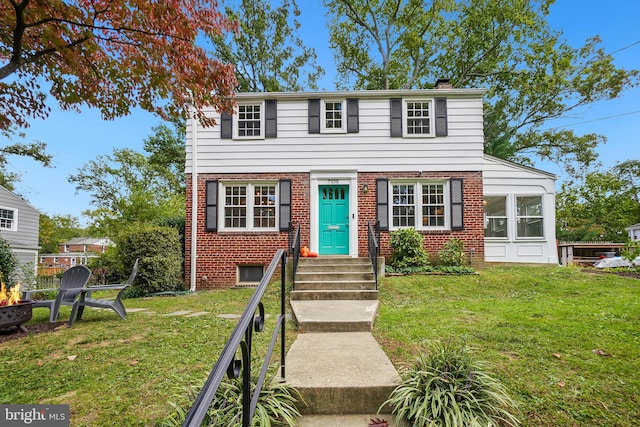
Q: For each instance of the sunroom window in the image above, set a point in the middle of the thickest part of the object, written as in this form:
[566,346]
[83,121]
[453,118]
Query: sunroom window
[529,217]
[495,211]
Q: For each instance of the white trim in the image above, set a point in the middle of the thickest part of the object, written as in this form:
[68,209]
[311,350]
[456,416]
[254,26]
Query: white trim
[338,177]
[194,200]
[516,217]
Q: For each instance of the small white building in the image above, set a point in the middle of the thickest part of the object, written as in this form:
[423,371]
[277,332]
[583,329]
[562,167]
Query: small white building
[634,232]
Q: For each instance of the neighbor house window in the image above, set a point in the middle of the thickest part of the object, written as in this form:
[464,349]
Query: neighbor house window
[421,205]
[250,206]
[418,117]
[333,116]
[529,219]
[495,213]
[249,121]
[7,219]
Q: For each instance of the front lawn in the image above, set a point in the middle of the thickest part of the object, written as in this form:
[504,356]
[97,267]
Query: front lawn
[566,344]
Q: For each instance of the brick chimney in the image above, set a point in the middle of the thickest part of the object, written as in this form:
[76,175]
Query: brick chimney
[443,84]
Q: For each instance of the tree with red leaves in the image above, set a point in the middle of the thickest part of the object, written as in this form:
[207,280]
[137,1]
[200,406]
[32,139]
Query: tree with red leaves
[112,55]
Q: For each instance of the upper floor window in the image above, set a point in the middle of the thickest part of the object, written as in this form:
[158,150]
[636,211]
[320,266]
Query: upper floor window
[419,118]
[333,116]
[249,121]
[8,219]
[250,206]
[422,205]
[495,211]
[529,216]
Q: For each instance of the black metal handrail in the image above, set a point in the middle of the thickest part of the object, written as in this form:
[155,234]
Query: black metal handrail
[374,249]
[242,338]
[294,250]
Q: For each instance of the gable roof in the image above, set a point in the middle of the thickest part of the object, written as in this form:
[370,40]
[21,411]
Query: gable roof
[15,198]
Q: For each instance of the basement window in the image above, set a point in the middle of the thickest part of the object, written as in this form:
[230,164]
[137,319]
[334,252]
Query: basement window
[250,274]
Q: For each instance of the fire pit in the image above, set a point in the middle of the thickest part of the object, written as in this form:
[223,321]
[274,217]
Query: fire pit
[16,315]
[13,311]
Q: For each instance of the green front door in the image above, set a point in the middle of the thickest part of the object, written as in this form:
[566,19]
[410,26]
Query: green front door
[334,220]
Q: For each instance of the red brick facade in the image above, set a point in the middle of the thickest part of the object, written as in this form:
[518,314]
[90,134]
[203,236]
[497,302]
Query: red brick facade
[220,253]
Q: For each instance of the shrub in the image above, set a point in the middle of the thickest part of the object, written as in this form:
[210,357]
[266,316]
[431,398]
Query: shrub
[276,405]
[448,387]
[160,259]
[407,249]
[8,261]
[452,253]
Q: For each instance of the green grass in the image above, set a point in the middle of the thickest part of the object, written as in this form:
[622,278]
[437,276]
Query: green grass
[534,327]
[537,328]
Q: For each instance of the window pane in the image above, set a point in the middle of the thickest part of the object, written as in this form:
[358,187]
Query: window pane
[235,206]
[433,205]
[403,205]
[418,118]
[495,211]
[495,206]
[333,115]
[6,219]
[496,227]
[264,206]
[529,216]
[250,273]
[249,120]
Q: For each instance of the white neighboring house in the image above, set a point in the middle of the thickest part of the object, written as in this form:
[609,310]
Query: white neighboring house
[20,226]
[634,232]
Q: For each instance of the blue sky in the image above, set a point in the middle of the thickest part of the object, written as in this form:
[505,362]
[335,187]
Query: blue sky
[74,139]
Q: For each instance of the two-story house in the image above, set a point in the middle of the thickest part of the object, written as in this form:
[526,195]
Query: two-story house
[76,251]
[20,226]
[336,161]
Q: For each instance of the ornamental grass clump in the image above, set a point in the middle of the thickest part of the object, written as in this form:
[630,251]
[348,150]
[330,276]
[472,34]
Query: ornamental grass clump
[448,387]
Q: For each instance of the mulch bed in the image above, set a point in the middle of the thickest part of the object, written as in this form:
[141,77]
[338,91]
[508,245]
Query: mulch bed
[14,333]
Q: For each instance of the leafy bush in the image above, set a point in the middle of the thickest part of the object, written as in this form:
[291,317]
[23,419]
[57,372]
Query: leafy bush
[407,249]
[8,260]
[452,253]
[276,405]
[448,387]
[160,259]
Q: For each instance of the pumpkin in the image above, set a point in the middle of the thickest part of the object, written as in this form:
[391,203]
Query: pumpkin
[313,254]
[304,252]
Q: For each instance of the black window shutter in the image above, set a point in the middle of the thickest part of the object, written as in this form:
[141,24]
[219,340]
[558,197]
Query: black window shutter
[353,113]
[441,117]
[396,116]
[226,126]
[314,116]
[285,204]
[457,211]
[271,119]
[211,217]
[382,203]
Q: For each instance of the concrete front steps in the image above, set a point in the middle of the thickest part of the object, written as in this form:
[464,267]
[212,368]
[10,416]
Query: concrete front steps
[335,362]
[334,294]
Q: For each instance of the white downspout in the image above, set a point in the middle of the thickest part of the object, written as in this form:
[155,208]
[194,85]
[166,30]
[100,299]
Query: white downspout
[194,200]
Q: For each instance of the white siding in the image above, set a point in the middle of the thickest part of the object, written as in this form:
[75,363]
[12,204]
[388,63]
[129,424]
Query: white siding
[501,178]
[371,149]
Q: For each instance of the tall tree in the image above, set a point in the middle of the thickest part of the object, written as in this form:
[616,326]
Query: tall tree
[57,229]
[132,187]
[35,150]
[268,54]
[601,204]
[531,74]
[112,55]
